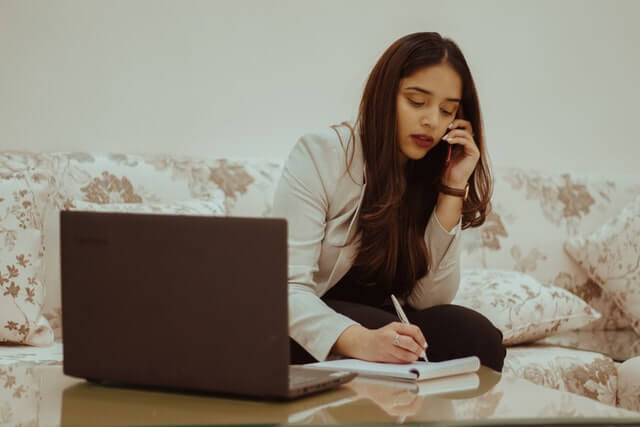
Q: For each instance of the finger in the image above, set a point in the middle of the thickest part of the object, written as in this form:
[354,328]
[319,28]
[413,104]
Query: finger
[414,332]
[458,133]
[468,144]
[408,343]
[461,123]
[403,356]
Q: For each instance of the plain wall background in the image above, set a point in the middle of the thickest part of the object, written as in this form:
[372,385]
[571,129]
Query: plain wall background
[557,79]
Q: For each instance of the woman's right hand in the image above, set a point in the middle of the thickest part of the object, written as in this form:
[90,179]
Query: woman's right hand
[381,345]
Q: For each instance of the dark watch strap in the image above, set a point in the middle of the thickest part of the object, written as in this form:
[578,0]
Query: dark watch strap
[464,193]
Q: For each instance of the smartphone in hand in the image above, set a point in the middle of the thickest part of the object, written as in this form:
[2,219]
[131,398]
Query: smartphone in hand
[459,115]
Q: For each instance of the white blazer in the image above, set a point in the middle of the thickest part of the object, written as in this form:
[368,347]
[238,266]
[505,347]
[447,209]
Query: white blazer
[321,201]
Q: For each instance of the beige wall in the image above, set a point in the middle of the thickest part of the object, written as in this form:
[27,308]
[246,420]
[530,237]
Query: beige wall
[557,79]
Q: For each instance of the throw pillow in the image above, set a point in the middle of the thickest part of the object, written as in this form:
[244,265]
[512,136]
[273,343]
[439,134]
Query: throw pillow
[521,307]
[533,213]
[629,384]
[214,207]
[611,258]
[21,293]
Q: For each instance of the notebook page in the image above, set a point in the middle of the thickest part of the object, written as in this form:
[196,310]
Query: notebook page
[416,371]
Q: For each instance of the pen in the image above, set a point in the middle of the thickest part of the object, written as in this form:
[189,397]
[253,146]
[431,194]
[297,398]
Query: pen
[403,318]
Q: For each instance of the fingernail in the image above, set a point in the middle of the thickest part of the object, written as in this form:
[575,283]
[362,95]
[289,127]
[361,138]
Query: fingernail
[425,345]
[450,124]
[445,137]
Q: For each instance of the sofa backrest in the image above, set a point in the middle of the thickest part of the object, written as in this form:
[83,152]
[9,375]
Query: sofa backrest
[533,212]
[245,185]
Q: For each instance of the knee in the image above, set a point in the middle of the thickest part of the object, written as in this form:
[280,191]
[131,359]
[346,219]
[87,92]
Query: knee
[462,332]
[488,344]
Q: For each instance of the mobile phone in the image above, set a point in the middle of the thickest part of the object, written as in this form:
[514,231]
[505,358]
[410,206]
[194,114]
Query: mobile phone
[459,115]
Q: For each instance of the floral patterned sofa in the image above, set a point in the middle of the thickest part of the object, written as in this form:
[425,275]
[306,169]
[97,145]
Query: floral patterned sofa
[516,270]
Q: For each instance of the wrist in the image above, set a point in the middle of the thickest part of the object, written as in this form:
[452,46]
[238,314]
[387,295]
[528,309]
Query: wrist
[448,211]
[454,183]
[350,341]
[456,190]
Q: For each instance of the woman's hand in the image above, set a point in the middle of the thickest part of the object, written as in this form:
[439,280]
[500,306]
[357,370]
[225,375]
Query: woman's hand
[393,343]
[464,154]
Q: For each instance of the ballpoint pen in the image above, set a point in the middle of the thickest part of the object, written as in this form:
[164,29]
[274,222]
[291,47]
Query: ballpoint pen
[403,318]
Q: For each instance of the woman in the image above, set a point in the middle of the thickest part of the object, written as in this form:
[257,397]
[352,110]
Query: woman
[378,210]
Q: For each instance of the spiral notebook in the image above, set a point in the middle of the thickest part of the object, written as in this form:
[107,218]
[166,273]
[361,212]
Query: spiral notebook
[416,371]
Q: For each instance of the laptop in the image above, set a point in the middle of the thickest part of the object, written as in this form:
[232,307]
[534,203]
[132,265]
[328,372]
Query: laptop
[192,303]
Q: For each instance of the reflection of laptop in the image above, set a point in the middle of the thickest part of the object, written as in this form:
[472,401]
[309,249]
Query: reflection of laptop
[90,405]
[182,302]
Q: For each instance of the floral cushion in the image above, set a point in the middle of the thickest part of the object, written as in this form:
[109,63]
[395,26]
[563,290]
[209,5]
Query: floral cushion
[52,237]
[245,185]
[21,292]
[522,308]
[248,185]
[534,213]
[581,372]
[611,257]
[629,384]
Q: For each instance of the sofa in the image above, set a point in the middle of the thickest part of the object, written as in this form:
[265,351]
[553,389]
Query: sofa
[516,267]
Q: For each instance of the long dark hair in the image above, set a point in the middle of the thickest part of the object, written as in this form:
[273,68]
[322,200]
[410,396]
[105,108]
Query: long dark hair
[398,201]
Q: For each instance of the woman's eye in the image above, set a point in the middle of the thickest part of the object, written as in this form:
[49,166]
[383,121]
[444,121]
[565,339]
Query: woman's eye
[417,104]
[447,113]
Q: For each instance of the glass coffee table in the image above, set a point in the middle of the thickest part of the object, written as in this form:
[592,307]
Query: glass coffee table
[499,400]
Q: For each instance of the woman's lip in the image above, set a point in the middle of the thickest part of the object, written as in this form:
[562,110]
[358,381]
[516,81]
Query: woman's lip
[422,142]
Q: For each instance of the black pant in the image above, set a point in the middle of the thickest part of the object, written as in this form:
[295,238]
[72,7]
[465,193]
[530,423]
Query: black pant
[451,331]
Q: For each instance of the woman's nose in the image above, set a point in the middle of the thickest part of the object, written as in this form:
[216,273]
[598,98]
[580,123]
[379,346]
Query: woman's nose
[430,118]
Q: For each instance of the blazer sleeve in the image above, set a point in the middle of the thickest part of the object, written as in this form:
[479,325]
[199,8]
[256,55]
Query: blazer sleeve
[302,197]
[440,284]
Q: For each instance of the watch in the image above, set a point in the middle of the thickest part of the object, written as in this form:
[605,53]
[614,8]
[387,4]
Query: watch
[457,192]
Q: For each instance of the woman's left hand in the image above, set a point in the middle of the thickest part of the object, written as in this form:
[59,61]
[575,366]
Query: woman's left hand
[464,154]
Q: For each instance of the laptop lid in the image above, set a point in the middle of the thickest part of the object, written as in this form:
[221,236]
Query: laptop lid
[186,302]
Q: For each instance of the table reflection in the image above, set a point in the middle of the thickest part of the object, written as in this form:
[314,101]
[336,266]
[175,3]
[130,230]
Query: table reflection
[498,399]
[359,401]
[620,345]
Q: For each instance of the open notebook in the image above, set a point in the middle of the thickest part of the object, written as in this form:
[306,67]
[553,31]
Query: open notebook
[416,371]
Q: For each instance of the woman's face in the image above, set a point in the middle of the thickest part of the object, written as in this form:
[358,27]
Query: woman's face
[427,103]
